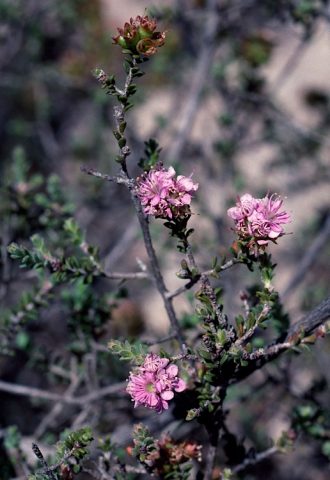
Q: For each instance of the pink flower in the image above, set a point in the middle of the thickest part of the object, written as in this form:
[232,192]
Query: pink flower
[185,188]
[164,196]
[142,388]
[259,219]
[269,208]
[244,207]
[153,384]
[153,362]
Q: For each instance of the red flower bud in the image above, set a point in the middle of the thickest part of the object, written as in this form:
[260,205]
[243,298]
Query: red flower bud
[129,450]
[139,36]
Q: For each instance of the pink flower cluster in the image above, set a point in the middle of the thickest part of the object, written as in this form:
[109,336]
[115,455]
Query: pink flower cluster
[259,219]
[153,384]
[164,195]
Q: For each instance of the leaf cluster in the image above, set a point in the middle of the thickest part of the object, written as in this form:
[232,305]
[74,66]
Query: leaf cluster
[75,443]
[31,201]
[62,268]
[87,312]
[178,227]
[151,155]
[131,352]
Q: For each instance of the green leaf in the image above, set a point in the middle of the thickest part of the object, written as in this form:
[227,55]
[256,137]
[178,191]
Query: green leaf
[224,358]
[151,155]
[73,229]
[12,437]
[22,340]
[326,449]
[132,352]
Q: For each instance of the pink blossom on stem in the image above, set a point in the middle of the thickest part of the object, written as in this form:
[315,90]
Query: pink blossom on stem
[245,206]
[163,195]
[153,362]
[269,208]
[259,220]
[153,383]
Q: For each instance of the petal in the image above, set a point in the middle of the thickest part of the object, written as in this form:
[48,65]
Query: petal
[152,399]
[262,242]
[172,370]
[155,200]
[235,213]
[164,192]
[186,199]
[164,362]
[159,386]
[246,198]
[273,234]
[167,395]
[180,386]
[164,405]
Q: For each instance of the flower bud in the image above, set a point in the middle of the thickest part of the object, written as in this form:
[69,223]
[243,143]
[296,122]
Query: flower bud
[139,36]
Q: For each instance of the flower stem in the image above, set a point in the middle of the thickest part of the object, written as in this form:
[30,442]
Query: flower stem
[155,270]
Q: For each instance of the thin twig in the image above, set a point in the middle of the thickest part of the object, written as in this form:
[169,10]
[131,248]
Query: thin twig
[318,316]
[196,278]
[269,352]
[294,336]
[296,333]
[155,269]
[104,176]
[85,248]
[159,340]
[259,457]
[197,82]
[57,397]
[249,333]
[212,450]
[56,410]
[290,65]
[123,245]
[126,276]
[51,468]
[308,259]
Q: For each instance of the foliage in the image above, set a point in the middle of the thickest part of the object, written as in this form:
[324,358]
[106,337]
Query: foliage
[132,352]
[68,324]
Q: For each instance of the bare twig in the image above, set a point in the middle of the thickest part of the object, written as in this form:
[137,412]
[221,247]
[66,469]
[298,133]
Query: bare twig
[212,450]
[126,276]
[159,340]
[269,352]
[104,176]
[249,333]
[294,336]
[197,82]
[155,269]
[85,248]
[258,457]
[314,319]
[290,65]
[123,245]
[55,411]
[308,259]
[196,278]
[57,397]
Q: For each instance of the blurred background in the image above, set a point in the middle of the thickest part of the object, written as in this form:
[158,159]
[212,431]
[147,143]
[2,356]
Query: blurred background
[240,97]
